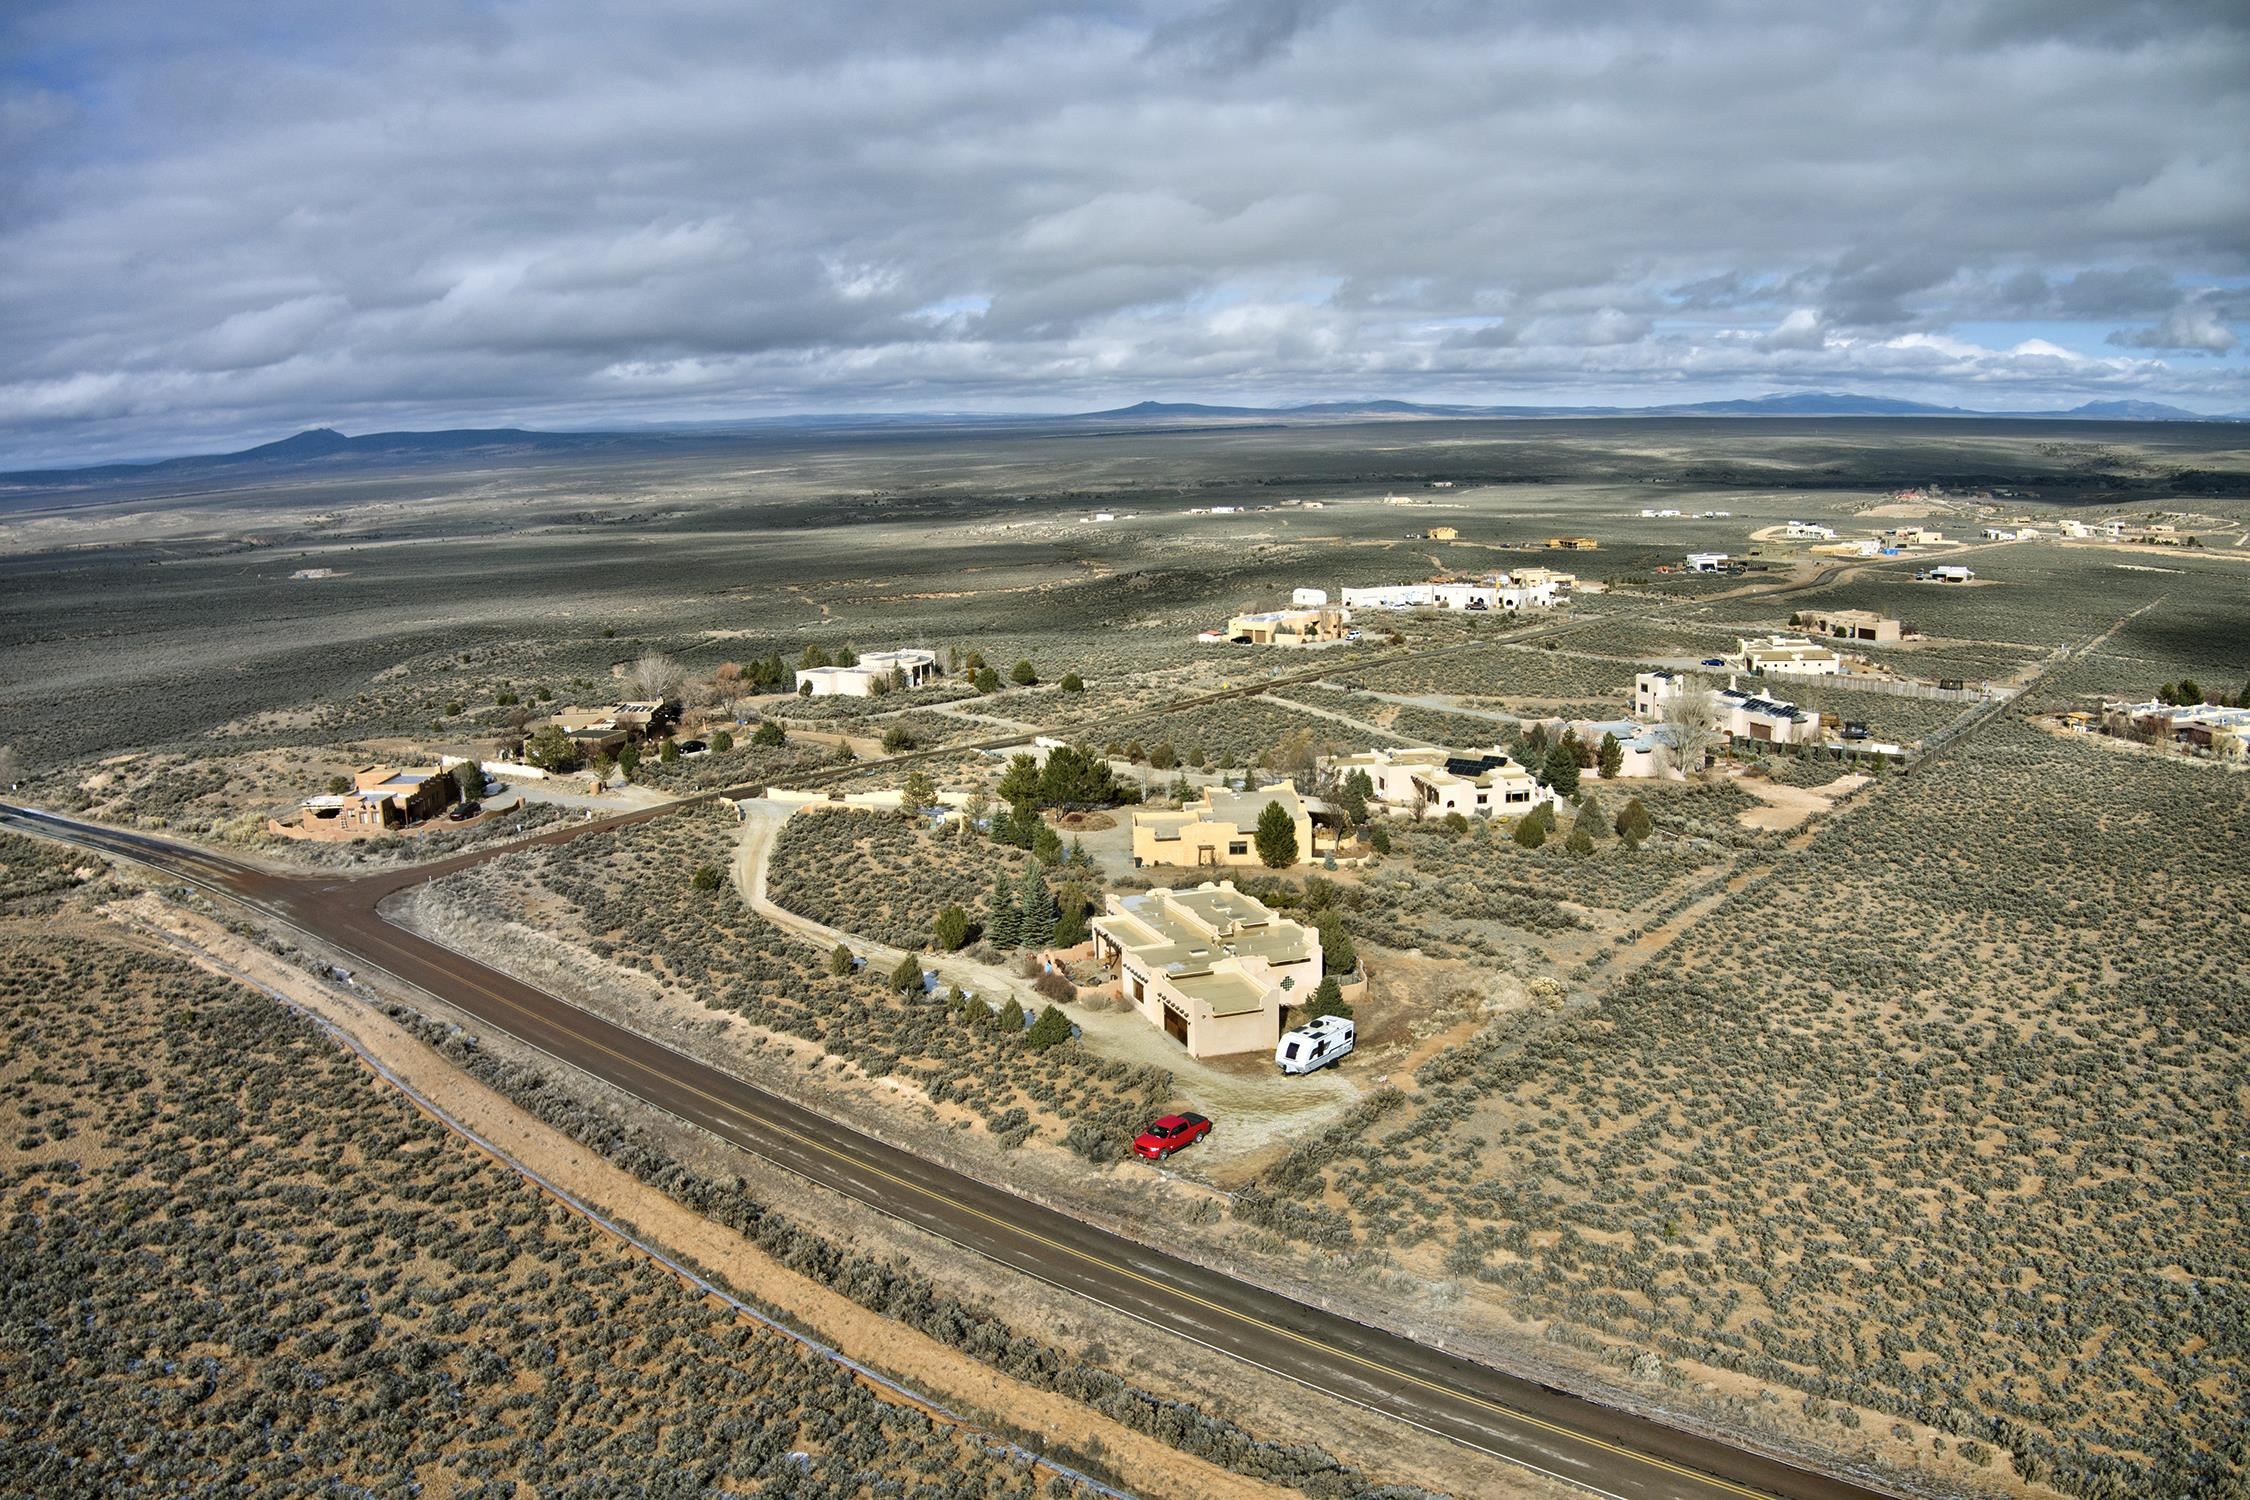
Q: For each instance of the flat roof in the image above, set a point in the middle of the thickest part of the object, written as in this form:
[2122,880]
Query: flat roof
[1226,994]
[1242,808]
[1143,924]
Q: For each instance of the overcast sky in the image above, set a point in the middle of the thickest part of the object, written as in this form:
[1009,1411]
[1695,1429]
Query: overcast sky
[227,219]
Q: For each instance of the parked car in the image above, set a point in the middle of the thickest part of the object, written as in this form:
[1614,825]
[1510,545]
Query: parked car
[1169,1135]
[463,811]
[1315,1044]
[692,747]
[1714,661]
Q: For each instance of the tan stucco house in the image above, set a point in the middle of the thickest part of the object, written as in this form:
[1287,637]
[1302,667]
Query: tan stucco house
[1214,968]
[1219,829]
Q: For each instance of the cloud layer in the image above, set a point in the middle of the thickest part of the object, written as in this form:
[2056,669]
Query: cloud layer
[411,212]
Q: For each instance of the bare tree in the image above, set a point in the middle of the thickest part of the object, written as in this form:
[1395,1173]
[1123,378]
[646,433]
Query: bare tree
[726,686]
[1692,717]
[655,675]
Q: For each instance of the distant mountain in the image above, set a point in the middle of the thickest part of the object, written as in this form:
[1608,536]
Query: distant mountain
[1816,404]
[322,445]
[2139,411]
[318,444]
[1793,404]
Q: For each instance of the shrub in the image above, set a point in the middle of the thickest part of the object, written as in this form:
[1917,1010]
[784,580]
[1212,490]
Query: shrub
[1051,1027]
[706,878]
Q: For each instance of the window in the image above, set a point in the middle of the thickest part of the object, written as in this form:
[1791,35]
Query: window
[1238,846]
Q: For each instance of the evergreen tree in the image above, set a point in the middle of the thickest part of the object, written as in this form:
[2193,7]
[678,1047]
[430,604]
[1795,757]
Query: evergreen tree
[1047,845]
[1011,1017]
[1338,953]
[1072,905]
[1353,794]
[468,777]
[1590,819]
[1531,831]
[767,735]
[907,975]
[919,792]
[1634,824]
[950,929]
[1579,842]
[1379,839]
[986,680]
[1051,1027]
[1073,683]
[840,960]
[722,742]
[1021,781]
[1560,769]
[1276,837]
[1003,924]
[1327,1000]
[1022,675]
[1035,910]
[1612,757]
[668,753]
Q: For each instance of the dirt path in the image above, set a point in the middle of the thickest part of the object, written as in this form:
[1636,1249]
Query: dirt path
[1787,806]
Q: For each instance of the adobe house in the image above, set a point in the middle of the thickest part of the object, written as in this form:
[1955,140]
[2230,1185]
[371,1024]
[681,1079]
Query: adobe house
[1215,968]
[1219,829]
[382,799]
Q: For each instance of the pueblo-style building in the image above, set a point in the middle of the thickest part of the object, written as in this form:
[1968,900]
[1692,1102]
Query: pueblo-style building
[1211,966]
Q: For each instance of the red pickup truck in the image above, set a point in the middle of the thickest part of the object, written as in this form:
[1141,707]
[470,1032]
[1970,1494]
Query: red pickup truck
[1169,1135]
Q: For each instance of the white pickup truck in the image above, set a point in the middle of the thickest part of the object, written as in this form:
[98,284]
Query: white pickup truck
[1315,1044]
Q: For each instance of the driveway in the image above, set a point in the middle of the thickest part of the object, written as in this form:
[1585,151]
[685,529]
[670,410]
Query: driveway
[1255,1105]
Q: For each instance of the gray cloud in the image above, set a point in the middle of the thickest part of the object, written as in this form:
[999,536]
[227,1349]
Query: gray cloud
[2196,326]
[224,225]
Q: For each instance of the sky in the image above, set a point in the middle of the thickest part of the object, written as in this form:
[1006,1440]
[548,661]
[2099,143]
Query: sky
[226,220]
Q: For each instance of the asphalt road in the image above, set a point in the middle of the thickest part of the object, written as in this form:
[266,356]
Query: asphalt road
[1604,1451]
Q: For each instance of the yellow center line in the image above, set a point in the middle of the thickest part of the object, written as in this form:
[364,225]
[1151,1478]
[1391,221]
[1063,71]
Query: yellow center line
[1153,1283]
[1007,1226]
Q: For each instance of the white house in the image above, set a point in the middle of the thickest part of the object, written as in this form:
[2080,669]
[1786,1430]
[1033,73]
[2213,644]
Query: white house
[1308,598]
[1951,573]
[1807,531]
[875,672]
[1786,656]
[1739,713]
[1389,596]
[1706,562]
[1485,783]
[1749,716]
[1489,597]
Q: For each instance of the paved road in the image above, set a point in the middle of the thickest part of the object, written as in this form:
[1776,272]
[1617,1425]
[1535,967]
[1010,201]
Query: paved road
[1604,1451]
